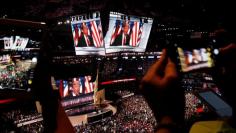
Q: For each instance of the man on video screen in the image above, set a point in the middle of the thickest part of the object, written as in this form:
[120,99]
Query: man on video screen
[85,39]
[75,90]
[121,35]
[196,56]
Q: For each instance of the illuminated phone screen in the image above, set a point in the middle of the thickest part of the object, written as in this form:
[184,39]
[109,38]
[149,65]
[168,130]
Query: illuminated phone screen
[221,107]
[195,59]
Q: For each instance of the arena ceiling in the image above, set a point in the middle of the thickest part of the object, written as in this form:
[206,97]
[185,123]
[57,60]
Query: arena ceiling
[204,13]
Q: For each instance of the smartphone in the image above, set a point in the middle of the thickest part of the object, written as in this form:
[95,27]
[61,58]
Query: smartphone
[192,55]
[196,58]
[215,103]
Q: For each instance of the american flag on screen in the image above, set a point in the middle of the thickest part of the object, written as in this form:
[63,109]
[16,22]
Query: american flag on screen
[87,25]
[89,86]
[116,31]
[64,85]
[96,29]
[76,33]
[77,30]
[137,29]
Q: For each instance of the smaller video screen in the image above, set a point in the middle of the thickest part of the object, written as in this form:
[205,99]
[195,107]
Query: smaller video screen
[87,34]
[195,59]
[76,91]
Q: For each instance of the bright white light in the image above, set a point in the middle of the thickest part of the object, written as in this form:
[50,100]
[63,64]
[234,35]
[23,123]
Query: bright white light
[34,59]
[42,23]
[125,57]
[151,57]
[216,51]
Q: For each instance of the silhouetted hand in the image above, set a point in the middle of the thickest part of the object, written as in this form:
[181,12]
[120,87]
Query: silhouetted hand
[161,73]
[160,89]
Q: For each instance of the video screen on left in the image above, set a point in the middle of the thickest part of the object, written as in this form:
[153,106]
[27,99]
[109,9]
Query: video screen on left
[18,59]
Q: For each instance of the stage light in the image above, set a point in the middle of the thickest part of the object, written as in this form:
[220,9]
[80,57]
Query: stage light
[34,59]
[42,23]
[216,51]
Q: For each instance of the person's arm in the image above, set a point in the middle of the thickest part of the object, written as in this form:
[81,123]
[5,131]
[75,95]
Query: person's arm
[163,94]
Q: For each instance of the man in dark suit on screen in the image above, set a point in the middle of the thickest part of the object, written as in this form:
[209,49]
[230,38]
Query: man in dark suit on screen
[121,35]
[85,39]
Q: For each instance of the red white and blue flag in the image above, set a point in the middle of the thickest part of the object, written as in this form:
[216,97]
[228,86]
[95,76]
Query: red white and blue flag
[96,29]
[136,34]
[86,36]
[116,31]
[89,86]
[76,33]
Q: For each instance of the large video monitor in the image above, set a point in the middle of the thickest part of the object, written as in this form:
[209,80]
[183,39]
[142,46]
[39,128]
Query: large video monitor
[18,43]
[127,33]
[87,34]
[76,91]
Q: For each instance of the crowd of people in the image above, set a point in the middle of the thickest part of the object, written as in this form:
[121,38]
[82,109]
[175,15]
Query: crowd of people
[133,115]
[22,120]
[113,69]
[193,106]
[36,127]
[193,82]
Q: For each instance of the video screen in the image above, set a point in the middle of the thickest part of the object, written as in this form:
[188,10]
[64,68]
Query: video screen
[221,107]
[195,58]
[127,33]
[16,71]
[76,86]
[17,43]
[76,91]
[87,34]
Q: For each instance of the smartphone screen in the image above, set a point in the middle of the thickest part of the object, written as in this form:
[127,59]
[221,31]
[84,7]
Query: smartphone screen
[192,59]
[217,103]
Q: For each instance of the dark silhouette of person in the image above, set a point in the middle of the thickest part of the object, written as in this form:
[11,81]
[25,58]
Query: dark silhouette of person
[160,87]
